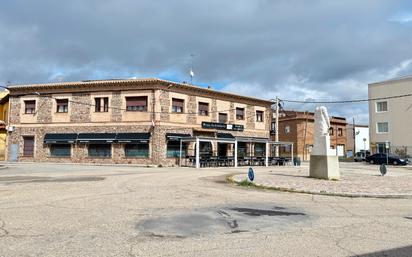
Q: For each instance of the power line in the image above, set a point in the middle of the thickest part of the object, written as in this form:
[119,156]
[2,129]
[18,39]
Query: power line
[347,101]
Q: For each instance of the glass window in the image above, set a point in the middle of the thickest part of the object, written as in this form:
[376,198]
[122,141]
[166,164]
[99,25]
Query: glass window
[100,150]
[331,131]
[28,146]
[240,113]
[62,105]
[60,150]
[30,107]
[382,106]
[203,109]
[178,105]
[382,127]
[101,104]
[260,149]
[259,116]
[136,104]
[381,148]
[222,117]
[173,149]
[136,150]
[241,149]
[340,132]
[287,129]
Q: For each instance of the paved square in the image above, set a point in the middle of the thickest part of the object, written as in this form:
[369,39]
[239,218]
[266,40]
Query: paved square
[80,210]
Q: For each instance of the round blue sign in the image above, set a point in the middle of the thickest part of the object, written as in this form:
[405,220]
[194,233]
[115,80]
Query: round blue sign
[251,174]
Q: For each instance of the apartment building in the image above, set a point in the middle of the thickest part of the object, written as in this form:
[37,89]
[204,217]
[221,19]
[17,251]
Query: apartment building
[298,127]
[390,120]
[139,121]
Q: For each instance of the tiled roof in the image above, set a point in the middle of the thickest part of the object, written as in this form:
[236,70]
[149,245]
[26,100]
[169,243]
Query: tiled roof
[85,83]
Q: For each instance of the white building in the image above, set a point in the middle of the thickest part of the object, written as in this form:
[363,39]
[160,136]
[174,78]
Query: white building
[390,120]
[358,138]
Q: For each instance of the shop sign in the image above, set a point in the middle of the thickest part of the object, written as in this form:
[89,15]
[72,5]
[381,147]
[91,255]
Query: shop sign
[222,126]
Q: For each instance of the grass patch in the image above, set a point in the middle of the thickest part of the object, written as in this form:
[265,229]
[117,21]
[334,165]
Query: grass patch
[246,183]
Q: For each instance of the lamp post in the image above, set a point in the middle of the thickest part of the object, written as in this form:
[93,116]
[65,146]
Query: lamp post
[364,145]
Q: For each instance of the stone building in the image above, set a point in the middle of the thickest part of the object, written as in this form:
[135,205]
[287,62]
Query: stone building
[4,107]
[297,127]
[137,121]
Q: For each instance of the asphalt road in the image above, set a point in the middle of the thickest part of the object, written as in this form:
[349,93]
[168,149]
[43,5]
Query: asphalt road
[77,210]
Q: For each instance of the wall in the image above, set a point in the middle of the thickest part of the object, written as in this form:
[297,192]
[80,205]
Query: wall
[399,114]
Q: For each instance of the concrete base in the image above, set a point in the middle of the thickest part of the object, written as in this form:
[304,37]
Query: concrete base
[324,167]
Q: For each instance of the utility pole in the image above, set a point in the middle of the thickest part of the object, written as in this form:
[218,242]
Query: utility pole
[354,136]
[277,127]
[305,149]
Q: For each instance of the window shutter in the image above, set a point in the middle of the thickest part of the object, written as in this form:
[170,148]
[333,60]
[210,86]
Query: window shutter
[177,102]
[30,104]
[136,101]
[203,107]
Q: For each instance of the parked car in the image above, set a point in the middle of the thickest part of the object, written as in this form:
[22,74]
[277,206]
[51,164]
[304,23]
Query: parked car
[360,156]
[380,158]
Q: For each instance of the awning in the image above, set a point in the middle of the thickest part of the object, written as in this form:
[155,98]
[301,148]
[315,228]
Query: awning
[60,138]
[225,135]
[252,139]
[96,137]
[133,137]
[176,136]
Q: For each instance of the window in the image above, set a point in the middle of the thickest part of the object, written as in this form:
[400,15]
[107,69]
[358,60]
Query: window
[136,150]
[203,109]
[381,148]
[62,105]
[259,116]
[173,149]
[30,107]
[273,126]
[101,104]
[178,105]
[100,150]
[240,113]
[381,106]
[260,149]
[60,150]
[287,129]
[241,149]
[331,131]
[222,117]
[28,146]
[382,127]
[340,132]
[136,104]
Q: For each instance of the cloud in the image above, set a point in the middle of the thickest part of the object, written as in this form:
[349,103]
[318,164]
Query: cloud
[297,49]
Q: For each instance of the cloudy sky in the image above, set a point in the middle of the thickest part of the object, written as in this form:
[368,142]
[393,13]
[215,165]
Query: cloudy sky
[295,49]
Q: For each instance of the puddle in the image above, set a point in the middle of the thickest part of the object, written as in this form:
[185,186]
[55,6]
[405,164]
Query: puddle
[220,220]
[260,212]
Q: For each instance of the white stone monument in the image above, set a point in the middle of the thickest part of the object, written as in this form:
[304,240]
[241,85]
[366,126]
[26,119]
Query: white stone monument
[324,163]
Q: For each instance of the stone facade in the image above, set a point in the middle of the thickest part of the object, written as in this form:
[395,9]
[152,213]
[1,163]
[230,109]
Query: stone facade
[116,104]
[157,119]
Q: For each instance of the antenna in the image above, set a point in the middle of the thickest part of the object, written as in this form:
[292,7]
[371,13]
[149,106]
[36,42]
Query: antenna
[192,74]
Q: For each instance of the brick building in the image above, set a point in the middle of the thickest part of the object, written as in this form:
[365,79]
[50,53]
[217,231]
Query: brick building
[128,121]
[297,127]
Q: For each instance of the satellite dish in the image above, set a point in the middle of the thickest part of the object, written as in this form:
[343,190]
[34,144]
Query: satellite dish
[382,169]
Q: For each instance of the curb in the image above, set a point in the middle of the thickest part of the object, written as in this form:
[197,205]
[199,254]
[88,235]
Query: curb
[230,179]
